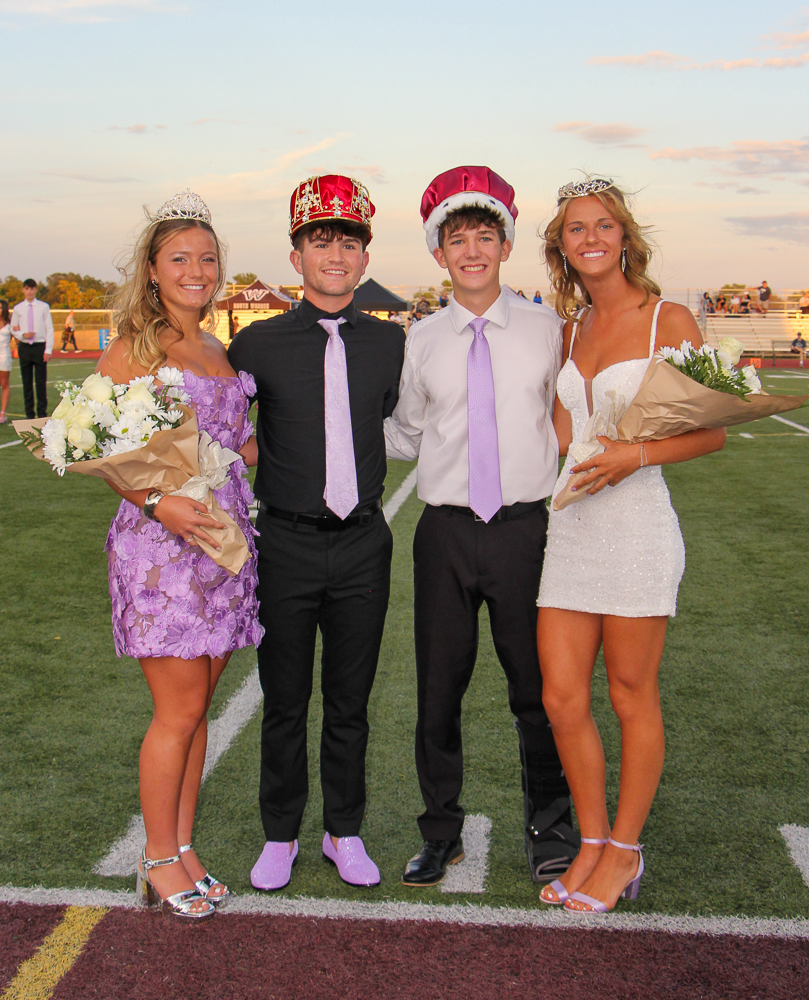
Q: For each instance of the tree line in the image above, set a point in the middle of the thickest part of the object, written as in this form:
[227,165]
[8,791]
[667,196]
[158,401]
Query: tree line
[63,290]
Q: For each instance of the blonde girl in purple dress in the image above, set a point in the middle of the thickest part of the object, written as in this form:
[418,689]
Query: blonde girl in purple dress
[174,608]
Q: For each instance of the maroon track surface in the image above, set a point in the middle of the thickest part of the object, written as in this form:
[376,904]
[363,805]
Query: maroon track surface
[144,955]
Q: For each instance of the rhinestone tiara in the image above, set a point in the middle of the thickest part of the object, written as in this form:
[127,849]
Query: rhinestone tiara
[185,205]
[580,189]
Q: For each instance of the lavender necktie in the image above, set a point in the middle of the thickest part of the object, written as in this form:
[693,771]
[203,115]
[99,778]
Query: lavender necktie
[485,496]
[30,317]
[341,493]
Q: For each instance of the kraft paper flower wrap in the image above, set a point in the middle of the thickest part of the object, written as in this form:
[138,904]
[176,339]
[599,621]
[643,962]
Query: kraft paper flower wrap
[180,461]
[669,402]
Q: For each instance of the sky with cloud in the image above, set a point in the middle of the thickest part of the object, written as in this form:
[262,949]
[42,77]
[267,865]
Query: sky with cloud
[112,104]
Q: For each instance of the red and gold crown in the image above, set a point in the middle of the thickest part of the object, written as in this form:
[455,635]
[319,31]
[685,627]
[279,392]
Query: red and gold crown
[329,198]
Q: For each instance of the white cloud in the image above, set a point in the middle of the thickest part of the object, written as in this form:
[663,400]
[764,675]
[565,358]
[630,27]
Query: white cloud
[789,39]
[755,158]
[613,134]
[668,60]
[792,228]
[89,178]
[88,11]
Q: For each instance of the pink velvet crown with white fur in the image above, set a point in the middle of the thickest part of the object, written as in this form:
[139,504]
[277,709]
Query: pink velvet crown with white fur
[465,187]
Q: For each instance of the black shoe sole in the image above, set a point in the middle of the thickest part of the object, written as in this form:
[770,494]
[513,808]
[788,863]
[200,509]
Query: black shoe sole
[426,885]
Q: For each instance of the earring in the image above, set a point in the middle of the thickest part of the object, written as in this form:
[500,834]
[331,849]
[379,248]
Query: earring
[564,258]
[623,260]
[155,290]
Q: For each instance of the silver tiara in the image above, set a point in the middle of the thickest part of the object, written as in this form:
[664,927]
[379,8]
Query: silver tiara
[581,189]
[185,205]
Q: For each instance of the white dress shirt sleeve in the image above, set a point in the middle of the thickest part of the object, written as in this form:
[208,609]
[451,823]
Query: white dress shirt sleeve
[48,329]
[404,427]
[16,323]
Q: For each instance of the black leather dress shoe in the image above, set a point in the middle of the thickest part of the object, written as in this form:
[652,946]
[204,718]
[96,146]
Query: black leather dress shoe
[429,866]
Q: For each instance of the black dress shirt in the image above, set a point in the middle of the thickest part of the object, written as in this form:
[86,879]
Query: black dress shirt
[285,355]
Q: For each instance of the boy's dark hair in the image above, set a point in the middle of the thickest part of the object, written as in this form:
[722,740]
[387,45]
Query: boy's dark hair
[471,217]
[29,283]
[333,229]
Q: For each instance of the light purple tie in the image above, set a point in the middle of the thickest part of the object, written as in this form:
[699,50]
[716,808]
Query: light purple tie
[30,317]
[341,493]
[485,496]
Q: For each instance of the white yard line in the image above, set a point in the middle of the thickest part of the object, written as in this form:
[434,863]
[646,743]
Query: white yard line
[797,838]
[10,444]
[790,423]
[742,434]
[547,918]
[469,875]
[122,857]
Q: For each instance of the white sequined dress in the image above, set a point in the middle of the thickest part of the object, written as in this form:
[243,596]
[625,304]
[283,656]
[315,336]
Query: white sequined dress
[619,552]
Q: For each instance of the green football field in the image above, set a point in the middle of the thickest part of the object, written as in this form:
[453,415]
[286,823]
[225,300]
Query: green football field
[733,680]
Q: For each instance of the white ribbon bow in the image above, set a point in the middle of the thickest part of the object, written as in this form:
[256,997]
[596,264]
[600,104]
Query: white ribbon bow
[214,461]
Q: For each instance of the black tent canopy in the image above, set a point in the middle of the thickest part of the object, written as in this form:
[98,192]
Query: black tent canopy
[370,296]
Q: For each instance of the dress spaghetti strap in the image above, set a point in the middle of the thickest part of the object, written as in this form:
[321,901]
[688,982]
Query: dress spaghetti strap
[653,337]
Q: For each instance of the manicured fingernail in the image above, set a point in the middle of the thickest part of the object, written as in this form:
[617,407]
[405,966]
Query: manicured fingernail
[573,489]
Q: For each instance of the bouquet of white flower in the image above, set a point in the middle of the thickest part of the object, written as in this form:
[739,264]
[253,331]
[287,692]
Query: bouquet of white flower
[137,436]
[683,389]
[100,418]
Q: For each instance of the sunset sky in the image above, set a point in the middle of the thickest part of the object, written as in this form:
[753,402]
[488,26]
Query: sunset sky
[700,109]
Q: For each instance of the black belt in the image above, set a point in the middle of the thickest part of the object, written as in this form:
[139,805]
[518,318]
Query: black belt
[504,514]
[324,522]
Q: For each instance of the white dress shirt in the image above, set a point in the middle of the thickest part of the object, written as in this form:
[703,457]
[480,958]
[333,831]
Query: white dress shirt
[430,419]
[43,324]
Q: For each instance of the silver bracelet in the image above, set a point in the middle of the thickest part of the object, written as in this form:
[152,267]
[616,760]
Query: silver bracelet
[643,459]
[153,498]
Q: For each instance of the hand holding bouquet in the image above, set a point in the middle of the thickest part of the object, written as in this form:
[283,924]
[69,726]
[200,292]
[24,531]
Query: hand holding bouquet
[684,389]
[139,435]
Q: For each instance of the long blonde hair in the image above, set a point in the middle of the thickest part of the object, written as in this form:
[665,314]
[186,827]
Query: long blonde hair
[140,317]
[571,294]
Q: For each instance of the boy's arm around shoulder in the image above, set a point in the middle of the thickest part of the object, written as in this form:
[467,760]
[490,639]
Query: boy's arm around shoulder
[404,427]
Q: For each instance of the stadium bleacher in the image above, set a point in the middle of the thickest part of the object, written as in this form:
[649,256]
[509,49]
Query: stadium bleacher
[763,336]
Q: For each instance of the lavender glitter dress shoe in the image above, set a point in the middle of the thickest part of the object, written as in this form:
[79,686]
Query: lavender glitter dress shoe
[274,868]
[353,864]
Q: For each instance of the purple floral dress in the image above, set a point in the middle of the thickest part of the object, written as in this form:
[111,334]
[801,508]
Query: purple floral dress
[169,598]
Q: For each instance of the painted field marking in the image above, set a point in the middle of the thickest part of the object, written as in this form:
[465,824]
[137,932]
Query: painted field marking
[550,918]
[10,444]
[39,975]
[122,857]
[790,423]
[797,838]
[391,509]
[469,875]
[742,434]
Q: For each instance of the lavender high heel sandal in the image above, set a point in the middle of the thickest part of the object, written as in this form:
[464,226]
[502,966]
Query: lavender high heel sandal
[630,889]
[561,892]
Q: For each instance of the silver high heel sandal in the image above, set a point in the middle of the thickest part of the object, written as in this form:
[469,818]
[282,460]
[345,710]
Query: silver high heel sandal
[179,903]
[207,882]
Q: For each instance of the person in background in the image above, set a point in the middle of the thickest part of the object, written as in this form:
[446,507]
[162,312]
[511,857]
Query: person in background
[745,305]
[69,332]
[735,304]
[764,294]
[32,325]
[5,359]
[803,304]
[708,304]
[798,346]
[722,304]
[538,297]
[443,300]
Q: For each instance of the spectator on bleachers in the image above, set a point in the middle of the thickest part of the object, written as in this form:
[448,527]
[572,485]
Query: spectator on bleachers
[708,306]
[735,302]
[764,293]
[745,305]
[538,297]
[799,347]
[803,304]
[722,304]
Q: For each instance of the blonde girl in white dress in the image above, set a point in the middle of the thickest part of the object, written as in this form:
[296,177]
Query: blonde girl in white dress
[614,559]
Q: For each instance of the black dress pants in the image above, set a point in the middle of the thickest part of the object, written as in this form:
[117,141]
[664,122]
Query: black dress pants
[33,368]
[338,581]
[460,562]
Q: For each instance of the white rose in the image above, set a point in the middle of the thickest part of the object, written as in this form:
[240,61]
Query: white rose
[751,379]
[79,415]
[170,376]
[62,409]
[98,388]
[140,393]
[81,438]
[732,347]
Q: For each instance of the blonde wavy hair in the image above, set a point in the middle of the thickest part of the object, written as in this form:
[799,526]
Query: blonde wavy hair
[571,295]
[139,317]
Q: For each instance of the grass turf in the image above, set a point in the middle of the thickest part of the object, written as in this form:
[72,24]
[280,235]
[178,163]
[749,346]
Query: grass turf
[735,702]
